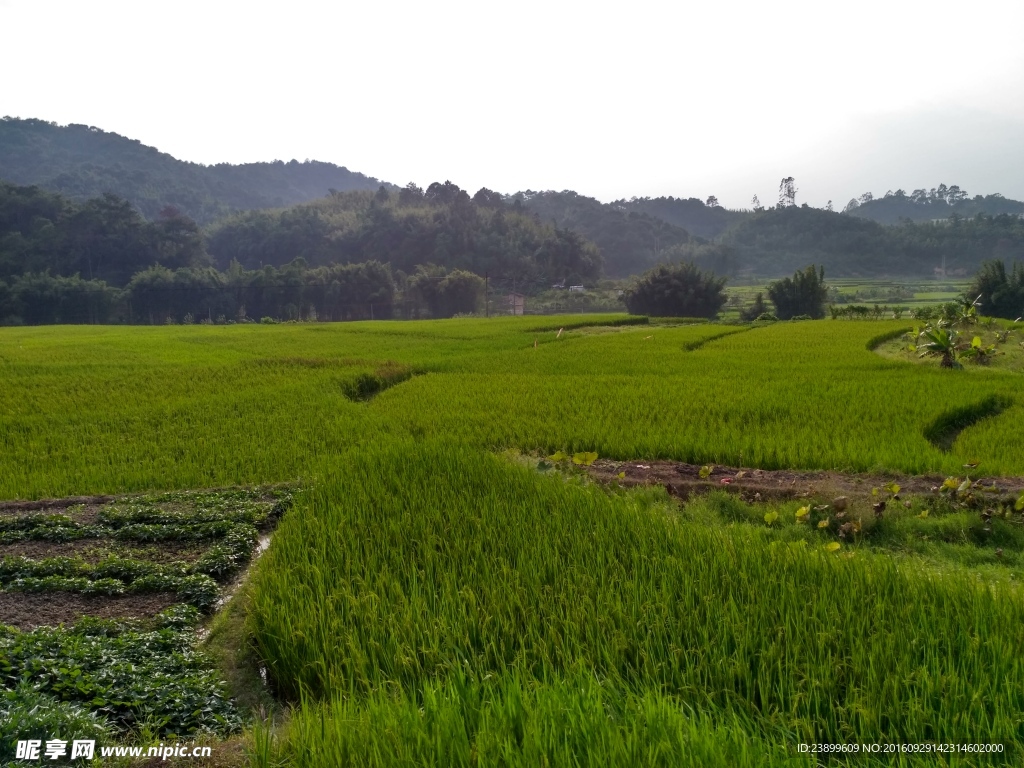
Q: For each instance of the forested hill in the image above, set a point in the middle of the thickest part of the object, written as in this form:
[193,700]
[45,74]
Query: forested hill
[82,162]
[106,239]
[695,216]
[936,204]
[441,225]
[630,241]
[782,239]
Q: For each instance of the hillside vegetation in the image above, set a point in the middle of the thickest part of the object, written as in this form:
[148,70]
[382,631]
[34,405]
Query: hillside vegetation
[783,239]
[83,162]
[935,204]
[630,241]
[440,225]
[691,214]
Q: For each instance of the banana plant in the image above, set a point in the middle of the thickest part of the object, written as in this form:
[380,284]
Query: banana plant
[967,310]
[944,342]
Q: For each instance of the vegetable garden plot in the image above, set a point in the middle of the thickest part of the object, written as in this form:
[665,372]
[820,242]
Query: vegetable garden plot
[99,602]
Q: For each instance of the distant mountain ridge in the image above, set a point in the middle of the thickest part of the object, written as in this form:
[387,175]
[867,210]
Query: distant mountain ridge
[897,234]
[84,162]
[936,204]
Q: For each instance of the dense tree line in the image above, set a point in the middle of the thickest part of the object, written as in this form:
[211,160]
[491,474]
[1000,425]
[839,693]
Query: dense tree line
[418,253]
[158,295]
[104,238]
[783,239]
[440,225]
[84,162]
[1001,290]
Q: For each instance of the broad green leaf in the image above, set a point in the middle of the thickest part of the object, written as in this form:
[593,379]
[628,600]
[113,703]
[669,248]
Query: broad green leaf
[558,456]
[802,513]
[832,546]
[705,471]
[771,517]
[585,458]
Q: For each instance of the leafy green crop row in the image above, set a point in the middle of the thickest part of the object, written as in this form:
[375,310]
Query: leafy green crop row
[128,675]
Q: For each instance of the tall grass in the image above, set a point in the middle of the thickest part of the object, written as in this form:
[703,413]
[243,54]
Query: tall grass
[415,563]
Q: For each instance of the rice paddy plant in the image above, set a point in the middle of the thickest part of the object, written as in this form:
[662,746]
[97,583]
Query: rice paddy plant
[112,410]
[790,395]
[414,562]
[510,721]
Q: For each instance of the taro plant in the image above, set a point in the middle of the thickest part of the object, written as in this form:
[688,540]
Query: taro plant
[979,353]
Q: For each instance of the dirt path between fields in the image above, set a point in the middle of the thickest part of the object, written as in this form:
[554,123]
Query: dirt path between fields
[684,480]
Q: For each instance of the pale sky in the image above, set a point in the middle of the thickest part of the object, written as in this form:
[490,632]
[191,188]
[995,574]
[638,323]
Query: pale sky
[612,100]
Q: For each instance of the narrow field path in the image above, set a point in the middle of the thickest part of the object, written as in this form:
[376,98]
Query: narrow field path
[684,480]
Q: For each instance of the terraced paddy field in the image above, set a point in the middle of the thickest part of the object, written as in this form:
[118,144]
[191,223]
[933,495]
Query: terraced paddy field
[525,542]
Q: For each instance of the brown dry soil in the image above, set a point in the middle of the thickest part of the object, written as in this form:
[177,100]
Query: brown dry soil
[684,480]
[29,610]
[81,509]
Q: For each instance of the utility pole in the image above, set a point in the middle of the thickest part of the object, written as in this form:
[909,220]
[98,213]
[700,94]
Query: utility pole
[487,296]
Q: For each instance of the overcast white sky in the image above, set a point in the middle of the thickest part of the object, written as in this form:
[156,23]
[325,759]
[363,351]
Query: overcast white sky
[612,100]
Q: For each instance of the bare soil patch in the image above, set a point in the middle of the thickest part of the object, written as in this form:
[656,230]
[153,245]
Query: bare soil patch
[38,505]
[84,513]
[29,610]
[684,480]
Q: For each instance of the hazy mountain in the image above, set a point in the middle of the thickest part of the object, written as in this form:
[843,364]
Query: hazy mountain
[83,162]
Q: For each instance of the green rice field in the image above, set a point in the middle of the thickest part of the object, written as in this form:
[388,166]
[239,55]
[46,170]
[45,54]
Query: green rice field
[439,594]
